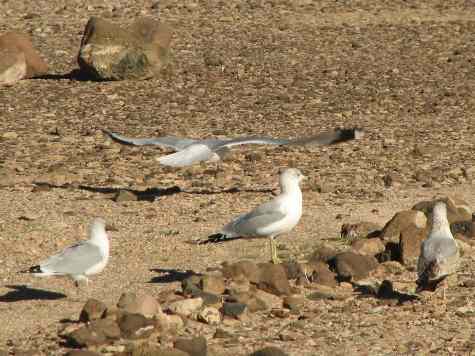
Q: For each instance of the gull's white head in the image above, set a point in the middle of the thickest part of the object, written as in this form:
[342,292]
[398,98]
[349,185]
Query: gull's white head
[290,177]
[97,229]
[440,222]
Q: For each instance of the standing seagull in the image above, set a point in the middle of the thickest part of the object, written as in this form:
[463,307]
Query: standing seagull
[189,151]
[439,256]
[79,260]
[271,219]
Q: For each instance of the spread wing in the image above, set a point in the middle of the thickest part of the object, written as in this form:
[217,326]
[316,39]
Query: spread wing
[175,143]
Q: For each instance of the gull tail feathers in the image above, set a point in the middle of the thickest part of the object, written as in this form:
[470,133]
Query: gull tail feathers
[217,238]
[430,277]
[32,269]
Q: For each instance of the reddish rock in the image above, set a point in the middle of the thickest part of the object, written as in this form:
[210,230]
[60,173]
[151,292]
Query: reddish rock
[401,221]
[245,269]
[12,66]
[410,243]
[273,279]
[319,272]
[352,266]
[16,42]
[136,326]
[143,304]
[370,247]
[92,310]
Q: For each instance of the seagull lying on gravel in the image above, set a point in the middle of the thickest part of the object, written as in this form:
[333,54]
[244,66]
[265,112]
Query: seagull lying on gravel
[191,151]
[271,219]
[79,260]
[439,256]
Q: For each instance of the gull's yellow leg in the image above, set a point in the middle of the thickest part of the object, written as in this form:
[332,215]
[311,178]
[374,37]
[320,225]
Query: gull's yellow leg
[273,248]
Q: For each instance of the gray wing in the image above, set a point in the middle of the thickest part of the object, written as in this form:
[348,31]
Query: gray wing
[188,156]
[75,259]
[251,226]
[441,250]
[176,143]
[330,138]
[250,140]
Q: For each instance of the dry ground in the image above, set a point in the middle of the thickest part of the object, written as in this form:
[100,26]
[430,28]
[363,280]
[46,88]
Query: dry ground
[402,70]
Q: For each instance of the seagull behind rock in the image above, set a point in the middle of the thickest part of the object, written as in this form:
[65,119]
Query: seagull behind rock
[79,260]
[439,256]
[271,219]
[189,151]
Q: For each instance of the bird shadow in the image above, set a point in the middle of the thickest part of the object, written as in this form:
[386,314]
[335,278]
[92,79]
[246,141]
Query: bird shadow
[75,74]
[385,292]
[23,292]
[171,275]
[149,194]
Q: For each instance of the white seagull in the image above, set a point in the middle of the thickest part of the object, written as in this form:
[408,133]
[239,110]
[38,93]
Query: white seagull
[189,151]
[271,219]
[80,260]
[439,256]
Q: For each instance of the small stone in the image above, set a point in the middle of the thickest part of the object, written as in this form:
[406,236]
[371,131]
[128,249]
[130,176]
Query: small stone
[352,266]
[92,310]
[210,315]
[269,351]
[319,272]
[370,247]
[10,135]
[212,284]
[80,353]
[143,304]
[393,267]
[360,230]
[269,300]
[234,310]
[294,302]
[322,292]
[186,307]
[273,279]
[196,346]
[222,334]
[136,326]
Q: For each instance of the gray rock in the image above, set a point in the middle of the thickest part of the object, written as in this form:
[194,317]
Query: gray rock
[113,52]
[323,253]
[86,337]
[234,310]
[196,346]
[107,327]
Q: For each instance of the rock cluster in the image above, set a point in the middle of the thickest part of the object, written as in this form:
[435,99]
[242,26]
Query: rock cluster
[108,51]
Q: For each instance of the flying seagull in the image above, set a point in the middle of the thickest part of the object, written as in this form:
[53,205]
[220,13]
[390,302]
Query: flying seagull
[79,260]
[439,256]
[189,151]
[271,219]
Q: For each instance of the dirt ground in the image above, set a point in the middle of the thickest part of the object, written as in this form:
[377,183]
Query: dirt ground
[402,70]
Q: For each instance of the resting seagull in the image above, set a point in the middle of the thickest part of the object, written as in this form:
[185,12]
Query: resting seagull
[80,260]
[439,256]
[271,219]
[189,151]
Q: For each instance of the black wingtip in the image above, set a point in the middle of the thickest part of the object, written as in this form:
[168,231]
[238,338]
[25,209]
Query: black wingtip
[33,269]
[354,133]
[217,238]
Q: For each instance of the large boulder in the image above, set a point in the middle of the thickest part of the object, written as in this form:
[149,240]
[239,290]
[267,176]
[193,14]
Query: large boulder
[352,266]
[458,210]
[110,51]
[407,220]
